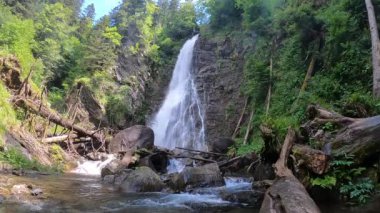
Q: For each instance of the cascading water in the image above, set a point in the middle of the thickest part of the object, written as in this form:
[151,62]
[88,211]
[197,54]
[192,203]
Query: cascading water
[180,120]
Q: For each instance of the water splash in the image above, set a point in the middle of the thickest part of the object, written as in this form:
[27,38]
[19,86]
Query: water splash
[180,120]
[89,167]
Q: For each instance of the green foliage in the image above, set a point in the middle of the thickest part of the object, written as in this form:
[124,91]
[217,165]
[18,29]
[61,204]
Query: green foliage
[256,145]
[7,114]
[324,182]
[15,158]
[348,179]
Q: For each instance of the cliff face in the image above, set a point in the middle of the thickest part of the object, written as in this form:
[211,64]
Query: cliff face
[219,75]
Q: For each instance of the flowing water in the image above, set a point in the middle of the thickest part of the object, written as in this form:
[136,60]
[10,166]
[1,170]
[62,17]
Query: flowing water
[76,193]
[180,120]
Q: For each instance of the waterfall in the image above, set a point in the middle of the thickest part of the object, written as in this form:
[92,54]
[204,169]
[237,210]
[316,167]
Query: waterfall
[180,120]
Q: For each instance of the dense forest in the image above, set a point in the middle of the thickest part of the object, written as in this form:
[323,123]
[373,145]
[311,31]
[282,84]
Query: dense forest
[304,53]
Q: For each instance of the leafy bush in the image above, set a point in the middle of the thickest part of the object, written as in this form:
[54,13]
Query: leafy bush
[348,179]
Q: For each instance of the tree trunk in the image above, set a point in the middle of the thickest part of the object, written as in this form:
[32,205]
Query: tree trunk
[315,160]
[269,94]
[287,194]
[54,117]
[359,137]
[375,48]
[249,127]
[240,119]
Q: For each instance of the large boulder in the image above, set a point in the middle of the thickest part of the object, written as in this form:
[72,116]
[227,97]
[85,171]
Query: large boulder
[143,179]
[221,145]
[132,138]
[208,175]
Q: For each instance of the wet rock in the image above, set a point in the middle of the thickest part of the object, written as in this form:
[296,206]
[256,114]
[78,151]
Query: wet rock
[114,167]
[208,175]
[143,179]
[2,199]
[249,197]
[20,189]
[221,145]
[132,138]
[36,192]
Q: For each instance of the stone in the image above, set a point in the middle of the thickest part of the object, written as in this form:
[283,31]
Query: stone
[36,192]
[20,189]
[143,179]
[221,145]
[207,175]
[114,167]
[252,198]
[132,138]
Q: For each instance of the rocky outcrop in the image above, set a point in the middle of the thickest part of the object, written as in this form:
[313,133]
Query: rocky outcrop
[219,75]
[132,138]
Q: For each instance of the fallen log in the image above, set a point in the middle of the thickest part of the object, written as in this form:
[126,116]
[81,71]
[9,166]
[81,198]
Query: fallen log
[54,117]
[360,139]
[287,194]
[59,138]
[211,153]
[195,158]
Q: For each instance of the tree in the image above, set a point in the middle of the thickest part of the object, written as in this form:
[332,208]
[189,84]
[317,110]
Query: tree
[375,48]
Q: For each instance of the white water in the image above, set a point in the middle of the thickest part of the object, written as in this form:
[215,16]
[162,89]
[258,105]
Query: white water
[88,167]
[180,120]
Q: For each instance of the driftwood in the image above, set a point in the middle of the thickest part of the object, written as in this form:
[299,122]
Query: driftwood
[287,194]
[54,117]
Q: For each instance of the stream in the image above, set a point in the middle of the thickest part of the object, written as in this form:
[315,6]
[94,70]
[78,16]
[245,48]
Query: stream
[79,193]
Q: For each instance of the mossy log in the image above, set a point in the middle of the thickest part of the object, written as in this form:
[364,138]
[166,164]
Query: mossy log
[287,194]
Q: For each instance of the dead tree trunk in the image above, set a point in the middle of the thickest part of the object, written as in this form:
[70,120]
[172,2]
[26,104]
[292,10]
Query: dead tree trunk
[375,47]
[356,136]
[54,117]
[249,127]
[287,194]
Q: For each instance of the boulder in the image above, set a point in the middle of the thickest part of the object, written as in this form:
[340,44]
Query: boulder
[207,175]
[131,139]
[221,145]
[114,167]
[143,179]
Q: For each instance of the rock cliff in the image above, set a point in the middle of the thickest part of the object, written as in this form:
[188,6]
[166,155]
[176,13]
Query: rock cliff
[219,64]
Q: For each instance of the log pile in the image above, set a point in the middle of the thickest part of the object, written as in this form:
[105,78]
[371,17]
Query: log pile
[24,97]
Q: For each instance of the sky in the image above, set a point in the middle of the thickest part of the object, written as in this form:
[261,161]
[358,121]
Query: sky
[102,7]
